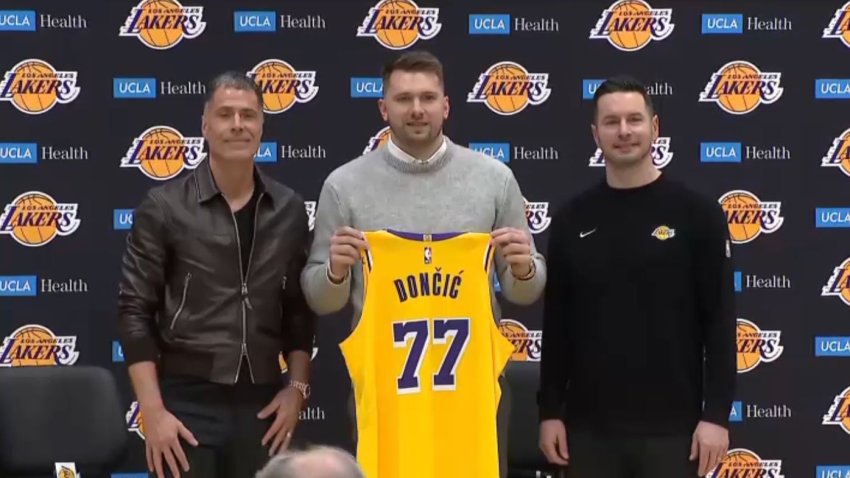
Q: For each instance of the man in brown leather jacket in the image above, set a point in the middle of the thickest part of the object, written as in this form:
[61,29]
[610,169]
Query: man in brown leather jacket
[210,297]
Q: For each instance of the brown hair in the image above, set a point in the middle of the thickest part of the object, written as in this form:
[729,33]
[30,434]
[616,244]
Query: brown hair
[414,61]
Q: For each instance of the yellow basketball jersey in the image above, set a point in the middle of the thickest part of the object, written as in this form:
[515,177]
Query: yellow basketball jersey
[425,357]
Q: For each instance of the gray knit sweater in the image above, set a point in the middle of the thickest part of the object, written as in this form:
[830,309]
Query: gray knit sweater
[458,191]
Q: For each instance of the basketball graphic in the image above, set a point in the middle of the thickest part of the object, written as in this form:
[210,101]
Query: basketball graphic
[838,284]
[748,216]
[507,88]
[282,85]
[162,152]
[527,343]
[162,24]
[379,139]
[34,218]
[630,25]
[756,346]
[839,25]
[34,86]
[37,346]
[398,24]
[739,87]
[839,412]
[743,462]
[660,152]
[838,155]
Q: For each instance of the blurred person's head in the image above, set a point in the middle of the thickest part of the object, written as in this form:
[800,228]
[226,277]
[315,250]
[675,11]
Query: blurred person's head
[318,462]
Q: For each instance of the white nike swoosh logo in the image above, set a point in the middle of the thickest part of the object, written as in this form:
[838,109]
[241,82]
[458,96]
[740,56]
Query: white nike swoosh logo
[582,235]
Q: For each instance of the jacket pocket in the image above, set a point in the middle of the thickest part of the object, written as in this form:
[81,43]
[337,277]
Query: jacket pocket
[182,301]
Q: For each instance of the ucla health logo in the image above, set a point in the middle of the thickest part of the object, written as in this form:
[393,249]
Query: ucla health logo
[35,345]
[507,88]
[17,20]
[838,155]
[660,152]
[748,216]
[630,25]
[254,21]
[537,215]
[756,346]
[379,139]
[18,286]
[739,87]
[162,152]
[839,25]
[282,85]
[838,284]
[832,89]
[34,86]
[839,412]
[399,24]
[367,87]
[134,88]
[34,219]
[18,153]
[163,24]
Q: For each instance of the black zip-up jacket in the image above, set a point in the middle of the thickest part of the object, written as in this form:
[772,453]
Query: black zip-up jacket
[184,302]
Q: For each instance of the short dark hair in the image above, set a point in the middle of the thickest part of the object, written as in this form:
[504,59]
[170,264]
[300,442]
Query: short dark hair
[233,79]
[622,84]
[414,61]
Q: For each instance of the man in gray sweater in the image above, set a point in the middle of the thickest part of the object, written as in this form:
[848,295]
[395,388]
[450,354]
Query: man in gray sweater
[422,182]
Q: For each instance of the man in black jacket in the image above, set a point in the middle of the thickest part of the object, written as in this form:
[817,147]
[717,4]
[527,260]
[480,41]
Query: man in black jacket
[209,299]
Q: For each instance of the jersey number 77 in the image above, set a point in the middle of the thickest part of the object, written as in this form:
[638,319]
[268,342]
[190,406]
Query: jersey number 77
[419,333]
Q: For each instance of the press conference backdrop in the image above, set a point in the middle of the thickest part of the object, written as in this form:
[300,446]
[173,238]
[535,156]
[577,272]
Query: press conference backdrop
[100,101]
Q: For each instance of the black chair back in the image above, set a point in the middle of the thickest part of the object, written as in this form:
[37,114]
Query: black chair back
[59,414]
[524,456]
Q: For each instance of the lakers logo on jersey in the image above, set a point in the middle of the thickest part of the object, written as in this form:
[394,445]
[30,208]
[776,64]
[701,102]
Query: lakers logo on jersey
[425,357]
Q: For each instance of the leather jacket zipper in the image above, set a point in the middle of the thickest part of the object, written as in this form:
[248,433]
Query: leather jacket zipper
[246,303]
[182,300]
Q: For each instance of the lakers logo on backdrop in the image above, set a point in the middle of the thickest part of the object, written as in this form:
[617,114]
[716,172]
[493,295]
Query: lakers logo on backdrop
[135,424]
[660,152]
[508,88]
[739,87]
[838,155]
[527,343]
[398,24]
[379,139]
[34,86]
[537,215]
[748,216]
[282,361]
[838,284]
[756,346]
[34,219]
[163,24]
[35,345]
[839,25]
[743,462]
[839,412]
[282,85]
[630,25]
[162,152]
[310,207]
